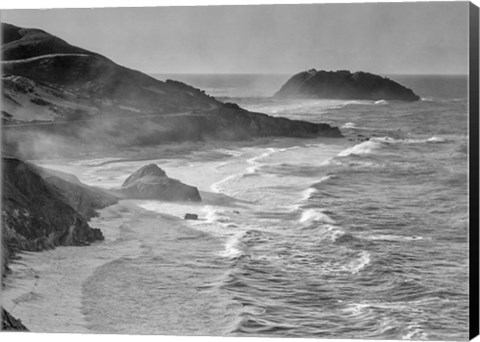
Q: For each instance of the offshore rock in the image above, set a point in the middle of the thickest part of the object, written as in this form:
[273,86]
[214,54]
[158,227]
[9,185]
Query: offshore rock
[151,182]
[189,216]
[344,85]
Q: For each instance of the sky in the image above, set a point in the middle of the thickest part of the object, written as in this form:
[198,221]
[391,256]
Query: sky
[384,38]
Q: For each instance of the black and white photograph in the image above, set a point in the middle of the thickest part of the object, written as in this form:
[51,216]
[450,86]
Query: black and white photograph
[255,170]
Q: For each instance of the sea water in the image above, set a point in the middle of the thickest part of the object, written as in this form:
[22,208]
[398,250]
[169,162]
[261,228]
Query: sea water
[326,238]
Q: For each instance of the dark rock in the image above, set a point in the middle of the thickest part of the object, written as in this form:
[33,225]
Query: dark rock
[36,215]
[151,182]
[84,199]
[189,216]
[41,213]
[10,323]
[343,84]
[231,105]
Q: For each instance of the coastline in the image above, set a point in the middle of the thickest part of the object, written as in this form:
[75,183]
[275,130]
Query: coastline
[47,290]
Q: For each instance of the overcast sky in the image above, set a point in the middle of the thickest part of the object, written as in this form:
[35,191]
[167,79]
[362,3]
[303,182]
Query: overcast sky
[383,38]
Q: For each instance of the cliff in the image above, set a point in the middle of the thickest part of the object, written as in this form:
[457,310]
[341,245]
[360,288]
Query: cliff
[344,85]
[151,182]
[83,198]
[60,100]
[36,215]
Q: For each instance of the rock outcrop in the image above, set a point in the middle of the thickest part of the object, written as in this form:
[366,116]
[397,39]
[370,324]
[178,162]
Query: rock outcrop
[61,100]
[151,182]
[42,209]
[344,85]
[36,215]
[10,323]
[189,216]
[83,198]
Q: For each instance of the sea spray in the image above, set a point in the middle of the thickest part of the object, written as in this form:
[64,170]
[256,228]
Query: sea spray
[312,215]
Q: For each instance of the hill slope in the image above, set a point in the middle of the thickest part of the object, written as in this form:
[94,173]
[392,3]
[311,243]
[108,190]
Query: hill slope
[53,91]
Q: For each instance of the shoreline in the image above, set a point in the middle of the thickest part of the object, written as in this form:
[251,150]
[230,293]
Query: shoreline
[45,289]
[49,285]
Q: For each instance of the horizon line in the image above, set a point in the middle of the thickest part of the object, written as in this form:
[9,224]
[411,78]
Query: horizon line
[294,73]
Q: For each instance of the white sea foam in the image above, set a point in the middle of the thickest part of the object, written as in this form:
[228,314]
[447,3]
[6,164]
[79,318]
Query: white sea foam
[356,309]
[250,170]
[358,264]
[95,162]
[388,140]
[349,125]
[312,215]
[415,332]
[333,232]
[381,102]
[218,187]
[368,147]
[390,237]
[215,215]
[363,148]
[436,140]
[307,194]
[232,247]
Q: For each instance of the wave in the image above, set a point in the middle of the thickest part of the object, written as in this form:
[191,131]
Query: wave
[349,125]
[368,147]
[391,237]
[334,232]
[308,193]
[388,140]
[218,188]
[358,264]
[96,162]
[214,215]
[368,311]
[310,216]
[356,309]
[363,148]
[381,102]
[233,247]
[436,140]
[415,332]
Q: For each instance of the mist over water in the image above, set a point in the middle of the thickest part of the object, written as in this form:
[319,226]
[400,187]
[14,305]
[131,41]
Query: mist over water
[297,237]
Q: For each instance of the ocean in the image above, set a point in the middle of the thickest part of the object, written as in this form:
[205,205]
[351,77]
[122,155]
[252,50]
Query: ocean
[319,238]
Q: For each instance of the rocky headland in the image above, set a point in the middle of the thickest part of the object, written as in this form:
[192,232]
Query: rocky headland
[60,100]
[151,182]
[41,211]
[343,84]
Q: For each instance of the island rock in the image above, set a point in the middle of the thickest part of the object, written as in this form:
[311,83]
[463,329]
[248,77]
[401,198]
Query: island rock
[343,84]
